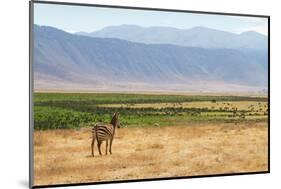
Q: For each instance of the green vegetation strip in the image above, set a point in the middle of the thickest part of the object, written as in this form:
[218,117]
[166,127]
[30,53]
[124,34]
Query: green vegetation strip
[75,110]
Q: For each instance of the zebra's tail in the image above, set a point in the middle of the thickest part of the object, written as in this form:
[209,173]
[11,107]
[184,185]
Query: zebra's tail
[94,126]
[94,131]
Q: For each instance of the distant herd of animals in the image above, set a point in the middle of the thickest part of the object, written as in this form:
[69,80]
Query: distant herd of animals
[105,132]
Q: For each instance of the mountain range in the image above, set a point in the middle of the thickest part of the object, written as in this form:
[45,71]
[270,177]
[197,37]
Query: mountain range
[194,37]
[64,61]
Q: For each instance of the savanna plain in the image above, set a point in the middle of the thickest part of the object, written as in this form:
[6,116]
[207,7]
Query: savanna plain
[160,136]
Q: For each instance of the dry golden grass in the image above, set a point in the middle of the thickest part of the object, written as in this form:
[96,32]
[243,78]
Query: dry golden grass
[64,156]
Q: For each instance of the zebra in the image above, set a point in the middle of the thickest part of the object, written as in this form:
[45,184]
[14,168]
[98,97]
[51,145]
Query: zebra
[104,132]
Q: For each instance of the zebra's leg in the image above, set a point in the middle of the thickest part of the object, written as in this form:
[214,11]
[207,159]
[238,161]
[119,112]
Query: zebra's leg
[110,144]
[99,144]
[93,144]
[106,147]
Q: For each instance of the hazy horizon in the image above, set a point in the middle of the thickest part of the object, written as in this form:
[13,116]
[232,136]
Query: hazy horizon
[156,26]
[89,19]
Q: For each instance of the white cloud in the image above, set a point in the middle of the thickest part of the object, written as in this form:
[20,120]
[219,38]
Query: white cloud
[70,31]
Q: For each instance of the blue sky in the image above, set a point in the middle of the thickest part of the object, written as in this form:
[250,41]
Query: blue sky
[89,19]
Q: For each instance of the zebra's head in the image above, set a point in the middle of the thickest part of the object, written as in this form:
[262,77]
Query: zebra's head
[115,120]
[118,122]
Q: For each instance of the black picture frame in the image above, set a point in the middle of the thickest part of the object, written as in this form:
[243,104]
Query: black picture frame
[31,129]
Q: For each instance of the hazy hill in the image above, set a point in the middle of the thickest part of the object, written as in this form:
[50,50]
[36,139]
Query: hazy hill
[195,37]
[68,61]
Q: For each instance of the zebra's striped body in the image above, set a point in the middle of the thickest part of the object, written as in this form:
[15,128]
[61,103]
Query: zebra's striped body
[104,132]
